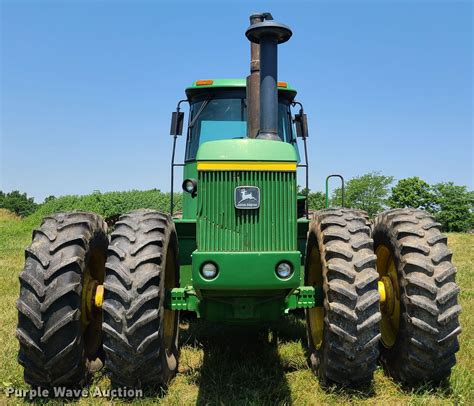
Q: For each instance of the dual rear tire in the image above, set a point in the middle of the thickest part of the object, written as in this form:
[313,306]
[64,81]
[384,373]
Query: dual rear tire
[61,330]
[412,329]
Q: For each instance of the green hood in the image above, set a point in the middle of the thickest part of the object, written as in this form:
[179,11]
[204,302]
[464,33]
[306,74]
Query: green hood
[246,150]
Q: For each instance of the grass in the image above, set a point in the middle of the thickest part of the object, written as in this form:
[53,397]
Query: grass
[230,365]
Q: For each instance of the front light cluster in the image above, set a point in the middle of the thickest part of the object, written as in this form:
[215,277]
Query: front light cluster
[209,270]
[190,186]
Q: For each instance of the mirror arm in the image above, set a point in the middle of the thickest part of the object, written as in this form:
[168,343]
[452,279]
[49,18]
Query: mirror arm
[306,175]
[178,108]
[294,103]
[306,165]
[172,175]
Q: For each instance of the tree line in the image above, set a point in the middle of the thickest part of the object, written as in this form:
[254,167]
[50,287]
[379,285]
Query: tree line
[452,205]
[110,205]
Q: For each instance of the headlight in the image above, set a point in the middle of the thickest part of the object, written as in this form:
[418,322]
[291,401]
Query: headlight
[209,270]
[190,186]
[284,270]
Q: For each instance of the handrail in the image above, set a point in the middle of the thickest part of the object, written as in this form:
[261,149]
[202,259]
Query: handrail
[335,175]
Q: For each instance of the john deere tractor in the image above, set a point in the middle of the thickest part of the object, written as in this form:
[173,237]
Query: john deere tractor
[245,250]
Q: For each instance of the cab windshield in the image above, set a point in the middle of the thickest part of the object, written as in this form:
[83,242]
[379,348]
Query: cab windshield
[224,116]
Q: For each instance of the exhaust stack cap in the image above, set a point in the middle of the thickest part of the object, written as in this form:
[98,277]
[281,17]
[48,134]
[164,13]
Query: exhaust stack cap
[271,28]
[268,34]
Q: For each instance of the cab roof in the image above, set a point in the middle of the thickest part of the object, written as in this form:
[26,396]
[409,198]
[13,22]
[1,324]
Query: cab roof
[197,86]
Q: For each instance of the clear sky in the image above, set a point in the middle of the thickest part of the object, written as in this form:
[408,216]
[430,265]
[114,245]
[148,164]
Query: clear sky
[88,87]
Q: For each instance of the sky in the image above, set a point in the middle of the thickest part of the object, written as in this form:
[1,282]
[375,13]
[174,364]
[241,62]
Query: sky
[88,87]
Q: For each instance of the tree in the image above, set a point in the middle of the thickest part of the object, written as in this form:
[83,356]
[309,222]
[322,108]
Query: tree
[316,200]
[367,192]
[412,192]
[49,198]
[18,203]
[455,206]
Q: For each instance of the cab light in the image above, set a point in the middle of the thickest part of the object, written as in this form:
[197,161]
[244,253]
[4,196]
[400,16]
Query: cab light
[283,84]
[204,82]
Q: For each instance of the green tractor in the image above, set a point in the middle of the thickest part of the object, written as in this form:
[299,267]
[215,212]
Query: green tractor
[245,250]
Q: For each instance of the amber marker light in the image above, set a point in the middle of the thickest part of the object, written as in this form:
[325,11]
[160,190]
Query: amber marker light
[204,82]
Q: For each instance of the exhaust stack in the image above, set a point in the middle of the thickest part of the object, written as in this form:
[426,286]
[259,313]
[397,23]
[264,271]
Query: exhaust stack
[253,83]
[268,34]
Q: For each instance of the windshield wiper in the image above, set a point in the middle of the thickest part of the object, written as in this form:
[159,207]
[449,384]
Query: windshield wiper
[203,106]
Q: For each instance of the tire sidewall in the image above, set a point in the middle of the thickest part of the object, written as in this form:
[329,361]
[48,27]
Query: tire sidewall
[317,356]
[169,361]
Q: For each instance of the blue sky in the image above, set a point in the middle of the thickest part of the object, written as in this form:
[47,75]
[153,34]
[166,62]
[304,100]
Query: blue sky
[87,87]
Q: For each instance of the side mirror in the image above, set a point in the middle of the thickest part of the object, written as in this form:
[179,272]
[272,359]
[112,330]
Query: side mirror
[301,123]
[177,119]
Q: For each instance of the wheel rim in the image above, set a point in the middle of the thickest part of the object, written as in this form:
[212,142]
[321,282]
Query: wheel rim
[315,314]
[390,303]
[169,316]
[91,315]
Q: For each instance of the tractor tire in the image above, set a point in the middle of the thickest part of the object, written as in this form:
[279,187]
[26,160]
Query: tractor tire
[343,335]
[140,335]
[60,337]
[419,335]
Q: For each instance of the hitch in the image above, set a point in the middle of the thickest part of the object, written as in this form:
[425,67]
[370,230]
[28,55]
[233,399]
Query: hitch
[182,299]
[306,297]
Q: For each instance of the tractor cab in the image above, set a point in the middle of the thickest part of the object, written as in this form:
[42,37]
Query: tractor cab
[218,110]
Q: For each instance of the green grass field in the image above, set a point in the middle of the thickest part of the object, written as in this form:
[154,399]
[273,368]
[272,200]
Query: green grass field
[222,365]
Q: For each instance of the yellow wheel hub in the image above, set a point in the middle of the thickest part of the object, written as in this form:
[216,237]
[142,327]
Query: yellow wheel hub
[92,298]
[91,302]
[389,296]
[88,299]
[99,296]
[315,314]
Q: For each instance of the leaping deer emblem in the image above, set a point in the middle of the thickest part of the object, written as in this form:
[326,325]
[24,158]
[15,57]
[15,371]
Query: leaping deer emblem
[246,196]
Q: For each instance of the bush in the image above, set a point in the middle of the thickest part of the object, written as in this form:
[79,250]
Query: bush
[454,207]
[111,205]
[18,203]
[316,200]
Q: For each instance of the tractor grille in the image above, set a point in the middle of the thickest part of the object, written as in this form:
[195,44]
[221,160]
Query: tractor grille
[222,227]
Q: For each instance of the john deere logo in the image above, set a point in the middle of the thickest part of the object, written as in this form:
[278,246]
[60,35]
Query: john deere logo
[247,197]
